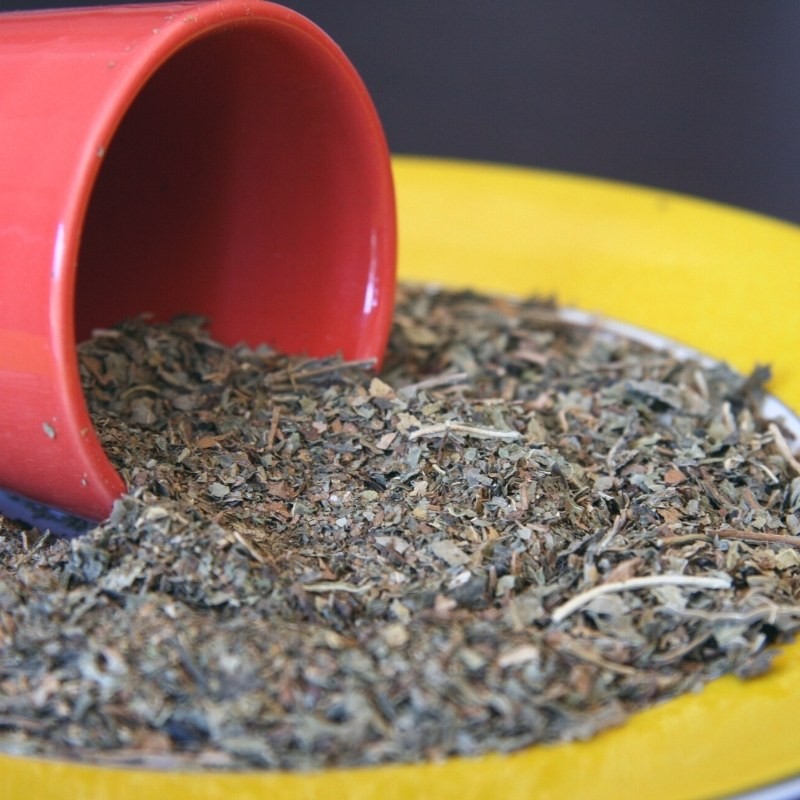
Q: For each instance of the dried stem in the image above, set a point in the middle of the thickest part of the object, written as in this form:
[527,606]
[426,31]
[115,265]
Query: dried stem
[253,553]
[434,382]
[768,612]
[335,586]
[558,640]
[783,447]
[685,538]
[676,654]
[440,428]
[646,582]
[615,528]
[273,427]
[757,536]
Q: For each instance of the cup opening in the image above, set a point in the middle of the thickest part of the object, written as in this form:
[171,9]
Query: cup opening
[248,182]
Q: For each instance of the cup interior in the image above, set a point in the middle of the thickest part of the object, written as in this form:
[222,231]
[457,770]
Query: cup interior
[245,182]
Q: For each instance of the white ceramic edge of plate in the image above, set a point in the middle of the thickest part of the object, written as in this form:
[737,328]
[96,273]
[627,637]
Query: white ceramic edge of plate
[786,790]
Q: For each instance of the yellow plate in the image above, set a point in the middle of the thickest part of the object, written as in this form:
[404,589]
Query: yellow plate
[723,281]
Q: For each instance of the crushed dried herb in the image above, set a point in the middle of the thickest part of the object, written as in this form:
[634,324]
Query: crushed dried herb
[523,531]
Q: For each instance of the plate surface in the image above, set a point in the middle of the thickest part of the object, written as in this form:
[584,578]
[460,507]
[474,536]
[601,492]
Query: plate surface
[722,281]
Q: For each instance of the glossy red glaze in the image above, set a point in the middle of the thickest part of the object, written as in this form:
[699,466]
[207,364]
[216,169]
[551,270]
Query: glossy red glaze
[219,158]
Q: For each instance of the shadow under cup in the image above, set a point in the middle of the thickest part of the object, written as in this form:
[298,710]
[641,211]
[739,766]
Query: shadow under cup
[230,165]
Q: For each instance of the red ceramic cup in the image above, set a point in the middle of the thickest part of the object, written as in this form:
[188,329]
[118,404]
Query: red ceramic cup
[219,158]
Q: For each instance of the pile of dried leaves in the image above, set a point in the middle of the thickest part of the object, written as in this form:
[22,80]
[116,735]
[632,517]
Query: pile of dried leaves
[522,532]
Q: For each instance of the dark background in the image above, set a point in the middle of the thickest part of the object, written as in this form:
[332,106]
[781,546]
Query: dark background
[699,96]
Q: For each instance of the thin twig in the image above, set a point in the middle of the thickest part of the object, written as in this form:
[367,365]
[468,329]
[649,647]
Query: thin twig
[532,357]
[273,427]
[671,656]
[768,612]
[335,586]
[18,722]
[561,641]
[38,544]
[613,452]
[441,428]
[774,479]
[646,582]
[757,536]
[433,382]
[685,538]
[615,528]
[254,554]
[783,447]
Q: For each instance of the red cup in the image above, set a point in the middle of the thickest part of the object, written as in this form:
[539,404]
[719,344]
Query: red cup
[218,158]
